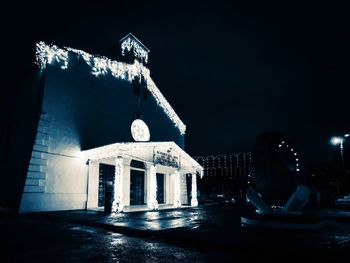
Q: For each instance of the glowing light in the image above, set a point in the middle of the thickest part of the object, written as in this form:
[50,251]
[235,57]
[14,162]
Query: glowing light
[336,140]
[177,189]
[295,154]
[280,145]
[139,52]
[346,135]
[145,149]
[297,169]
[100,66]
[194,201]
[118,204]
[47,54]
[140,131]
[200,172]
[152,202]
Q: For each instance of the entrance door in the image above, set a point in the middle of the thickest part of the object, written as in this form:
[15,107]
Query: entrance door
[137,187]
[105,186]
[160,188]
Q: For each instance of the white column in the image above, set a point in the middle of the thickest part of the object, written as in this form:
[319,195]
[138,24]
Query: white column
[152,202]
[118,204]
[92,199]
[194,201]
[177,189]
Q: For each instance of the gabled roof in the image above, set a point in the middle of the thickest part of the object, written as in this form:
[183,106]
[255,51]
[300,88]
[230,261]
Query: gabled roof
[145,151]
[100,66]
[130,35]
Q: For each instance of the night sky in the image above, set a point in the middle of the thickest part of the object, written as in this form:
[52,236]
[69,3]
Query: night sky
[230,71]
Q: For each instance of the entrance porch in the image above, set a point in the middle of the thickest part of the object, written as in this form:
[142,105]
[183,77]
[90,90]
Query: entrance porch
[141,176]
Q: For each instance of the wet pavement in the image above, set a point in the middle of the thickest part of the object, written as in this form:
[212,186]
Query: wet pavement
[203,234]
[29,241]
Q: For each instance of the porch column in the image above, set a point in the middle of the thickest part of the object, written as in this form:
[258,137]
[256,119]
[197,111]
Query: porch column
[152,202]
[177,189]
[118,204]
[194,201]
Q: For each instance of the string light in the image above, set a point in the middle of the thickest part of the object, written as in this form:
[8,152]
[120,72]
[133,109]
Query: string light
[152,201]
[189,164]
[118,204]
[297,169]
[228,162]
[139,52]
[48,54]
[177,189]
[194,201]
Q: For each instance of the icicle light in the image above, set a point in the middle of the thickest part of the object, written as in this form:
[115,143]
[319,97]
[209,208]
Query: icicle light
[47,54]
[139,52]
[152,200]
[194,201]
[118,204]
[177,189]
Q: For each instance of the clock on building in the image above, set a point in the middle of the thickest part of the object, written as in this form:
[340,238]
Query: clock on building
[140,131]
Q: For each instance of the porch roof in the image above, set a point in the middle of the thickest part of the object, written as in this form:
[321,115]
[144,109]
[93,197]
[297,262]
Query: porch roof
[159,153]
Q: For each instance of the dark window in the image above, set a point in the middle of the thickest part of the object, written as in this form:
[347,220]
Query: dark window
[160,188]
[105,185]
[137,164]
[137,187]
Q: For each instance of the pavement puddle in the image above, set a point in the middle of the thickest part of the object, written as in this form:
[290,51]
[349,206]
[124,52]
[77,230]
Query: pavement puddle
[82,229]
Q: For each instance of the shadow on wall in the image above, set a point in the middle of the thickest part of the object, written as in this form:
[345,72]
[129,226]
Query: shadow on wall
[20,109]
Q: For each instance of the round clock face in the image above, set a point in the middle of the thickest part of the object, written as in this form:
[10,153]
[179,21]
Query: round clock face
[140,131]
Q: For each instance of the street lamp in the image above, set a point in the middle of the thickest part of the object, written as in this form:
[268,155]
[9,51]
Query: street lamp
[339,141]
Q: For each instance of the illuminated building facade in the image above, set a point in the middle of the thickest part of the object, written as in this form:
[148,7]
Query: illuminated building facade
[104,137]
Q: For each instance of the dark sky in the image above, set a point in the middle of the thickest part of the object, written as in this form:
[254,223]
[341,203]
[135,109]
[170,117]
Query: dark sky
[230,71]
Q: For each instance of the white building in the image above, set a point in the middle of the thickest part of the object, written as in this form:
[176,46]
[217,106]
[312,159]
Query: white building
[105,136]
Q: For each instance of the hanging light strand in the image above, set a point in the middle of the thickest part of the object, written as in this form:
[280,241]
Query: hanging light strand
[48,54]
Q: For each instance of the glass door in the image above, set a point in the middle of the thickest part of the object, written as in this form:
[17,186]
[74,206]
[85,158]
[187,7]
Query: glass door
[160,188]
[137,187]
[105,186]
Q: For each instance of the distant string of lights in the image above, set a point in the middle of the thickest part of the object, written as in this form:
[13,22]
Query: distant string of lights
[48,54]
[231,165]
[284,145]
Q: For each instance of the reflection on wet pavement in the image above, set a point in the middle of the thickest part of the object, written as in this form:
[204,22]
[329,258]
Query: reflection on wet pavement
[30,241]
[203,234]
[157,220]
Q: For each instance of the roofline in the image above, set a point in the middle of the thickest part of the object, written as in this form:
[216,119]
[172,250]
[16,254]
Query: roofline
[46,54]
[111,153]
[137,40]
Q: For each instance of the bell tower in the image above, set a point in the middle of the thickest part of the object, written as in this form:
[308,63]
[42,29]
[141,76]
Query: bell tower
[132,48]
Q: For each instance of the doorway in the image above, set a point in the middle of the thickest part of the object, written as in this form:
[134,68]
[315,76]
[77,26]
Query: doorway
[137,187]
[160,188]
[105,186]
